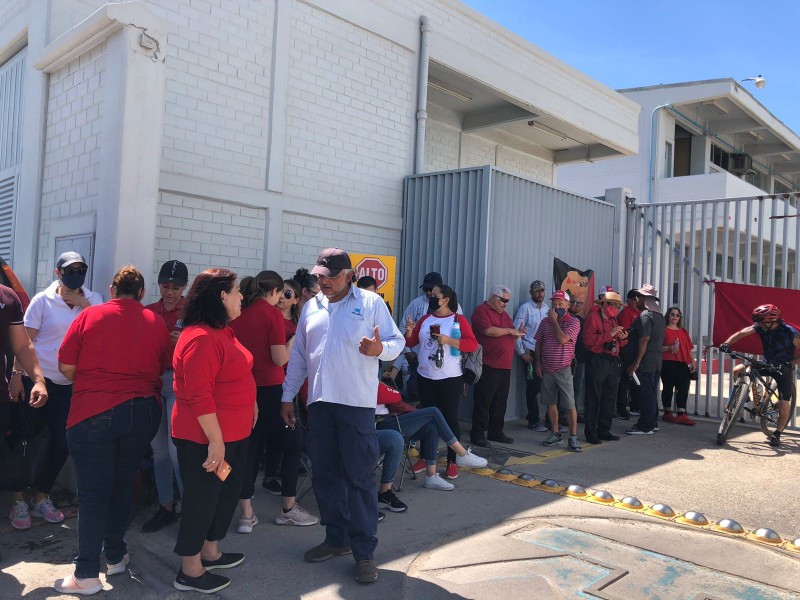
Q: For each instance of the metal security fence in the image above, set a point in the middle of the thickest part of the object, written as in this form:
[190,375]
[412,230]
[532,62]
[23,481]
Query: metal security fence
[683,247]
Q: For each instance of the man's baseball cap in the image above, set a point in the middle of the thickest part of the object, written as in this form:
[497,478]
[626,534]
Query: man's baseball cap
[173,271]
[632,294]
[560,295]
[331,262]
[537,285]
[431,280]
[69,258]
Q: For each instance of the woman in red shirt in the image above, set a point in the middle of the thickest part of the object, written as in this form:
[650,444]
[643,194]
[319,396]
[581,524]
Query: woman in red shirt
[212,419]
[260,328]
[114,353]
[677,365]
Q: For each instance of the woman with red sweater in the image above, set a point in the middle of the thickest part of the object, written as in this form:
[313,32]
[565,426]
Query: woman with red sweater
[215,409]
[261,330]
[441,381]
[114,353]
[677,367]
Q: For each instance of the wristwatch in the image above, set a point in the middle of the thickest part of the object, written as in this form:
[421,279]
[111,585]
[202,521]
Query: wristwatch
[15,372]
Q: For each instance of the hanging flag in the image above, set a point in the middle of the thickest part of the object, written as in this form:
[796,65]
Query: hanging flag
[578,284]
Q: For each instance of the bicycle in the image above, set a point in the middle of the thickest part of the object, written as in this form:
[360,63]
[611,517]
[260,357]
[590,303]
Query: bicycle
[754,386]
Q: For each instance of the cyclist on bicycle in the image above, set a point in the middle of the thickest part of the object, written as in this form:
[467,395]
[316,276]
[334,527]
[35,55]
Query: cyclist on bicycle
[781,349]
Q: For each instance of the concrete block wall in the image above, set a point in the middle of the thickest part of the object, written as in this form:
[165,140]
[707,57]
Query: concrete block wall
[217,89]
[205,233]
[73,149]
[303,236]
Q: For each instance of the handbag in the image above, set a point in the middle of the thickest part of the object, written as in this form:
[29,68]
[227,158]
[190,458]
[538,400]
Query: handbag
[472,365]
[23,452]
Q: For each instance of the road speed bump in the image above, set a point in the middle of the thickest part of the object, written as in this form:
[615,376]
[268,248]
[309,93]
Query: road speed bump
[661,510]
[504,475]
[728,526]
[766,535]
[527,480]
[601,497]
[693,518]
[631,503]
[550,485]
[575,491]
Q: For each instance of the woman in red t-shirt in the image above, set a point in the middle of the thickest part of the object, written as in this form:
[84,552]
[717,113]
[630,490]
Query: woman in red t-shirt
[114,353]
[677,366]
[212,419]
[261,329]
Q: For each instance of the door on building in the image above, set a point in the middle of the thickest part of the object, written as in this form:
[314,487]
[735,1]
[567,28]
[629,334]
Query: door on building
[683,152]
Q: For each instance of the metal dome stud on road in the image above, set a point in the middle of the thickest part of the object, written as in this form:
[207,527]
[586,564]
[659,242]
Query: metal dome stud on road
[767,535]
[661,510]
[602,496]
[527,480]
[794,545]
[505,475]
[729,526]
[550,485]
[576,491]
[631,503]
[694,518]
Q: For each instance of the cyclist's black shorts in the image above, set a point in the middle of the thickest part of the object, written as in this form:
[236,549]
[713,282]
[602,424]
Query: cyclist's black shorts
[786,384]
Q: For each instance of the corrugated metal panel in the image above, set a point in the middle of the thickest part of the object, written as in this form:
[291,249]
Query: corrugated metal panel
[481,227]
[8,191]
[12,79]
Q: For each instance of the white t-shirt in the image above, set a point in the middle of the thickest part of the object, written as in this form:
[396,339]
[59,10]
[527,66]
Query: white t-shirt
[451,366]
[50,315]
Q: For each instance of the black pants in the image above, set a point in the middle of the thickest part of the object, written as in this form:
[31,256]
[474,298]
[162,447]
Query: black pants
[444,394]
[602,378]
[626,391]
[270,432]
[532,388]
[674,376]
[490,400]
[208,504]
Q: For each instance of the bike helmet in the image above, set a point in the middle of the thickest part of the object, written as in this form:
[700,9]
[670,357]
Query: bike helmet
[766,313]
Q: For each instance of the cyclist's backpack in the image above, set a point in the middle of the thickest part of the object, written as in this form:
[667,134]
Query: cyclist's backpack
[472,365]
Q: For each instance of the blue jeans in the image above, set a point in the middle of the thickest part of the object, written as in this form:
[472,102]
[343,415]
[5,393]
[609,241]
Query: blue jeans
[390,444]
[165,455]
[106,450]
[343,448]
[426,425]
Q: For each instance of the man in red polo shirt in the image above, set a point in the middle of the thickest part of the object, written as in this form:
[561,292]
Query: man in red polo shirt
[495,331]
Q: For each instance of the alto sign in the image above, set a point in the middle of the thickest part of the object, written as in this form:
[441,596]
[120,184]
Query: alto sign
[382,268]
[373,267]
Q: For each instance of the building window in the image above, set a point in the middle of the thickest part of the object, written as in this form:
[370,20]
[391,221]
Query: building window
[668,161]
[720,157]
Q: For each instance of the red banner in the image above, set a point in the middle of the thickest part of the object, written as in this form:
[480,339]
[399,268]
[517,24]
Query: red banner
[733,307]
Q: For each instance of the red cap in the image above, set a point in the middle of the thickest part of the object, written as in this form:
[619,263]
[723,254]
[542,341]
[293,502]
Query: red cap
[560,295]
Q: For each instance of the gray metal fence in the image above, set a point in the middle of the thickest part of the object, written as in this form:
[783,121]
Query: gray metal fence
[481,226]
[683,247]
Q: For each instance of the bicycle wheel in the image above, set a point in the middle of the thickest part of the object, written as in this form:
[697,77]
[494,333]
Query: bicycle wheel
[769,410]
[732,411]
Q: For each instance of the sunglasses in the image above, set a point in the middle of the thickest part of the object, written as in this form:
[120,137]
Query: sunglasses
[503,300]
[288,294]
[675,315]
[75,270]
[576,302]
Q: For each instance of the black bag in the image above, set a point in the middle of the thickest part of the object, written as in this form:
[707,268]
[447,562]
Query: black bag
[472,365]
[23,452]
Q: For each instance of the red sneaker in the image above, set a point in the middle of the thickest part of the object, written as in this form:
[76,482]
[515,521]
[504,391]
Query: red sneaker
[452,471]
[669,417]
[419,466]
[683,419]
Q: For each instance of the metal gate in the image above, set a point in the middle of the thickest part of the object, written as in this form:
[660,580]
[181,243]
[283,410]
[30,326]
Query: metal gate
[683,247]
[12,89]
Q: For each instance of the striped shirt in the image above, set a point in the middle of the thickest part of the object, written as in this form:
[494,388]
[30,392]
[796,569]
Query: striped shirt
[555,355]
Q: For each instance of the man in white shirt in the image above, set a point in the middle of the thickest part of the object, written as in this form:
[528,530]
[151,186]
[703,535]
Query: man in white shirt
[530,314]
[342,334]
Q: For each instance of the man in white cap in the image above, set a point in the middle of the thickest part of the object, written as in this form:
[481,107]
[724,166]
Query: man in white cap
[342,334]
[647,336]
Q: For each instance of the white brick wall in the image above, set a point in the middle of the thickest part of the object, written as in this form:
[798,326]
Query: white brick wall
[217,89]
[525,165]
[350,113]
[206,233]
[441,146]
[72,148]
[303,236]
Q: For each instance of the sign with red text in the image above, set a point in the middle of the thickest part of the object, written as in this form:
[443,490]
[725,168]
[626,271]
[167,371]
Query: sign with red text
[383,269]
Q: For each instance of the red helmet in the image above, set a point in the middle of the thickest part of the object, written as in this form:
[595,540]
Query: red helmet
[766,313]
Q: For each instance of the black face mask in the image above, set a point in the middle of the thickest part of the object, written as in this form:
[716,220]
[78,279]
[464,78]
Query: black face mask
[73,280]
[433,305]
[561,312]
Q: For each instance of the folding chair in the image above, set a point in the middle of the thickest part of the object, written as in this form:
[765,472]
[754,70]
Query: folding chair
[305,462]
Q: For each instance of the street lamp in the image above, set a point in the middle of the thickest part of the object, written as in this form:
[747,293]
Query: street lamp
[759,81]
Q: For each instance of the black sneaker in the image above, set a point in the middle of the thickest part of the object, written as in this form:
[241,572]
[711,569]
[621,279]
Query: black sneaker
[207,583]
[228,560]
[775,440]
[381,516]
[391,502]
[273,486]
[161,519]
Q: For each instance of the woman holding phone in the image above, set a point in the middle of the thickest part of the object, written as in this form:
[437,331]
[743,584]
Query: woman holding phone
[441,380]
[215,410]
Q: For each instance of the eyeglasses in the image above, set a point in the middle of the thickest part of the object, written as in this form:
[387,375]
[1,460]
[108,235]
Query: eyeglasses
[288,294]
[675,315]
[75,270]
[503,300]
[576,302]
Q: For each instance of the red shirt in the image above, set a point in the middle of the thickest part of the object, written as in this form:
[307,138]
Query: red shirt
[597,332]
[119,351]
[171,318]
[258,327]
[290,327]
[213,374]
[627,316]
[555,355]
[498,352]
[685,348]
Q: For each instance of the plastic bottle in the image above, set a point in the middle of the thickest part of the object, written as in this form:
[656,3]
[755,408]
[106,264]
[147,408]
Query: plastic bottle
[529,371]
[455,333]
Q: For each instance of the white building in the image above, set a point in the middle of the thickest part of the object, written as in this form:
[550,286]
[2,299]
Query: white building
[698,140]
[250,134]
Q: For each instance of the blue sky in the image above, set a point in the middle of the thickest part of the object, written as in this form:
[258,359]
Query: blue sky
[625,43]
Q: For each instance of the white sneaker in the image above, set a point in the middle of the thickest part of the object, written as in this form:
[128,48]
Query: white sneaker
[120,567]
[246,524]
[434,482]
[296,516]
[81,587]
[471,460]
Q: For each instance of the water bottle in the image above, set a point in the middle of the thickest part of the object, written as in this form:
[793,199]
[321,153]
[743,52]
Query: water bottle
[529,371]
[676,345]
[455,333]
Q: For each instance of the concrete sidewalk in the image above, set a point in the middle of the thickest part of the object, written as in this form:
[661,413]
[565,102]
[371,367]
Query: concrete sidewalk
[490,538]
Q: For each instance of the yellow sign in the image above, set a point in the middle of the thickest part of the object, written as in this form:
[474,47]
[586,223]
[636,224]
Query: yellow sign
[382,268]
